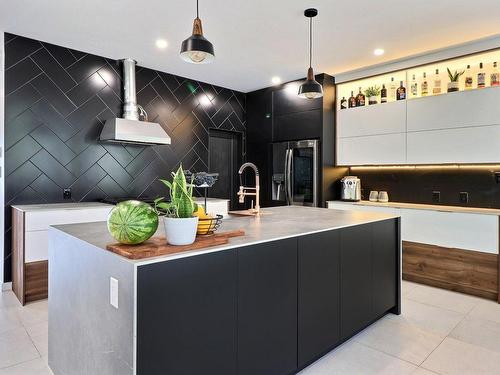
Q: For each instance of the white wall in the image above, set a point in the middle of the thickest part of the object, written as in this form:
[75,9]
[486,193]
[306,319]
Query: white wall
[479,45]
[2,152]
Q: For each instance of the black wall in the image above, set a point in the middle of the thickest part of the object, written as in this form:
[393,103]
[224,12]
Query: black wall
[417,185]
[57,101]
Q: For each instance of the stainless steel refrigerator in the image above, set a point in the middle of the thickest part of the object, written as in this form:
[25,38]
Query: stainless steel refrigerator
[295,178]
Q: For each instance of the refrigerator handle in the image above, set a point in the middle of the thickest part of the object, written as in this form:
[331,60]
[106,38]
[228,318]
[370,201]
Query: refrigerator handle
[286,176]
[289,176]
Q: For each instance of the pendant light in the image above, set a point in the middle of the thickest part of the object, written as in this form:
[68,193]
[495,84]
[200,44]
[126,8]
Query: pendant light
[310,89]
[196,49]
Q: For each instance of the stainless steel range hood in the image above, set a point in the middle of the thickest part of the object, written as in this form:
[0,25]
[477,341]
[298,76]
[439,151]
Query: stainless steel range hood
[130,129]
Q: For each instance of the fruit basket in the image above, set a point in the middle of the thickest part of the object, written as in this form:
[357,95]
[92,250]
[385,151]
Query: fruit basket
[208,225]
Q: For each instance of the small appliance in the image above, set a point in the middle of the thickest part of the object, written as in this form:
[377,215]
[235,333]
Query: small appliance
[351,188]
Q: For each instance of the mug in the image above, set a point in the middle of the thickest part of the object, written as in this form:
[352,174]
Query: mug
[373,196]
[383,196]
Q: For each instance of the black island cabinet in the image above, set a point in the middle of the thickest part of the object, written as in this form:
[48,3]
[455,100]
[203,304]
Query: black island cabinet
[270,308]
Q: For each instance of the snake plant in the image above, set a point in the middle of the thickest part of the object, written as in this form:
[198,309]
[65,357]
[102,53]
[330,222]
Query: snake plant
[181,203]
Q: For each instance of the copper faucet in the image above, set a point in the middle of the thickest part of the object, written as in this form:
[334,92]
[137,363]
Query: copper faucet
[243,192]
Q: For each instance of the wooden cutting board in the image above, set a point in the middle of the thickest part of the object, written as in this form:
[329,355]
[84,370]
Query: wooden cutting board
[157,246]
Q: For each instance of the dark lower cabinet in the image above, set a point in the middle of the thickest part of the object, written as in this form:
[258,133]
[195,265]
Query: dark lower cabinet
[355,278]
[267,308]
[385,266]
[186,316]
[318,295]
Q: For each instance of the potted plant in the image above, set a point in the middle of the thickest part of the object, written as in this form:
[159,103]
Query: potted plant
[179,221]
[454,85]
[372,94]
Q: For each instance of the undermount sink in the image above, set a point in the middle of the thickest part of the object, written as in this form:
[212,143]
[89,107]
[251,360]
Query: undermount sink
[249,212]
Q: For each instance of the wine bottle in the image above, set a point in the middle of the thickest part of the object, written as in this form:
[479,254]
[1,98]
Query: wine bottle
[352,100]
[360,99]
[495,76]
[425,86]
[414,86]
[468,78]
[401,92]
[392,90]
[481,77]
[343,103]
[383,95]
[436,89]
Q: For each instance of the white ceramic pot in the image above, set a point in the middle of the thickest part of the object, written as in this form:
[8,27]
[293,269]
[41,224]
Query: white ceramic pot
[180,231]
[372,100]
[453,86]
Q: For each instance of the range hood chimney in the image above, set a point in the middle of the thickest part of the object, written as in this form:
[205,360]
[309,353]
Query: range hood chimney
[130,129]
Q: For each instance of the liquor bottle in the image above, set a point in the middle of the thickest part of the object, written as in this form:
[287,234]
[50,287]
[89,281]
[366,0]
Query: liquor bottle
[360,99]
[436,89]
[425,86]
[401,92]
[392,90]
[468,78]
[481,77]
[414,86]
[343,103]
[383,95]
[495,76]
[352,100]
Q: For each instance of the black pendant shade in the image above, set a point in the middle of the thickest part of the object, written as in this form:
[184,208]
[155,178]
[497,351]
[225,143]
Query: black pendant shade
[197,49]
[310,89]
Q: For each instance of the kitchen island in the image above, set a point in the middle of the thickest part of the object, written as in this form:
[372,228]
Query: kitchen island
[298,284]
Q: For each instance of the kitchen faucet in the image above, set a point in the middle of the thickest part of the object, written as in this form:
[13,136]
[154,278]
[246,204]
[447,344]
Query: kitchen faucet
[243,192]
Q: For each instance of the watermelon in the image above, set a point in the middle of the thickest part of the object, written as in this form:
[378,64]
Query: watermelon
[132,222]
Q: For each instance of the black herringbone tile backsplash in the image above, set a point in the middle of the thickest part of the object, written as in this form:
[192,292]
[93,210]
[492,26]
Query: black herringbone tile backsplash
[57,101]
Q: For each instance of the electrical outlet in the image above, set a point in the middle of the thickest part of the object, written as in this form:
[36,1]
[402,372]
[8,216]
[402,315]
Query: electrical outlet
[436,196]
[113,292]
[464,197]
[67,193]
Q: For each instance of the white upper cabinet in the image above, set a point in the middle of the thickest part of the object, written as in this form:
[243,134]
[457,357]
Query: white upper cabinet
[455,110]
[372,150]
[432,127]
[372,120]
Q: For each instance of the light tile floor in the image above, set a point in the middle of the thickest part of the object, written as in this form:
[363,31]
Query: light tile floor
[439,332]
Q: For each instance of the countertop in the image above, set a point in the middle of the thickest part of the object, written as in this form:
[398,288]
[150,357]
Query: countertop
[417,206]
[276,223]
[59,206]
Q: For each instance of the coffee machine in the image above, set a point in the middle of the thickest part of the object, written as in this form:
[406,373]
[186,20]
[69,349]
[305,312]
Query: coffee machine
[351,189]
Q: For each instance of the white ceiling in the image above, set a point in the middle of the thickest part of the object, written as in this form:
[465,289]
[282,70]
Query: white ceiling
[253,39]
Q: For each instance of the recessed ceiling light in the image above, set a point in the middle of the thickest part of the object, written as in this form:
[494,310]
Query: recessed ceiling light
[276,80]
[378,51]
[161,43]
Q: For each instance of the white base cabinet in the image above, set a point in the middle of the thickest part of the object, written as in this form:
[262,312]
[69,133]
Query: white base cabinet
[467,231]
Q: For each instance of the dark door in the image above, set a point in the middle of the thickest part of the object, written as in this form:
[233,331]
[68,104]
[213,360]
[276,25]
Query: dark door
[267,308]
[318,295]
[385,266]
[225,157]
[186,316]
[355,278]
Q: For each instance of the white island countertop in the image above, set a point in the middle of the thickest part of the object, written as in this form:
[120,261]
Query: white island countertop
[274,224]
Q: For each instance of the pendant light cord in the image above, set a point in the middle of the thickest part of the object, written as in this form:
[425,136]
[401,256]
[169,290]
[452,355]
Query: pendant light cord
[197,10]
[310,41]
